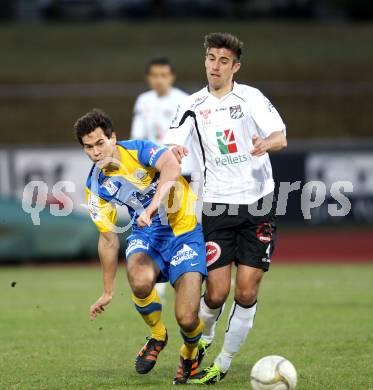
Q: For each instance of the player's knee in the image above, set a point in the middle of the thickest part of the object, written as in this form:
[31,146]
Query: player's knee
[141,281]
[215,299]
[245,296]
[187,321]
[141,289]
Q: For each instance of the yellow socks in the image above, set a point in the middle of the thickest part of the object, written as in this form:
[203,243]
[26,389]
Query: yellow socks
[150,309]
[190,347]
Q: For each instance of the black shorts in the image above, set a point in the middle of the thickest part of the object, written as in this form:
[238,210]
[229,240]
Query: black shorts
[233,233]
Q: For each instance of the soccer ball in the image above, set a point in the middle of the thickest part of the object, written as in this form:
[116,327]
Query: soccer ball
[273,373]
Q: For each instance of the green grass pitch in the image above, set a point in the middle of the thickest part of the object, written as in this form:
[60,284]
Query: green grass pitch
[319,317]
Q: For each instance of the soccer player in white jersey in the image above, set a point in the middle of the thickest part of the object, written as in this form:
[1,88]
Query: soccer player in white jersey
[154,109]
[235,127]
[153,113]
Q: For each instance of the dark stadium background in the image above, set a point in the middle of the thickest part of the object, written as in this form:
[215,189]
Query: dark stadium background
[60,58]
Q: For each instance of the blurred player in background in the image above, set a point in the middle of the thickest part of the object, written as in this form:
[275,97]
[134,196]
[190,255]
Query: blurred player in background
[153,109]
[236,127]
[153,112]
[166,243]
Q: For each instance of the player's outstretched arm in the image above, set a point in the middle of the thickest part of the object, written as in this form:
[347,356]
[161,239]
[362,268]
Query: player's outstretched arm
[108,249]
[170,170]
[274,142]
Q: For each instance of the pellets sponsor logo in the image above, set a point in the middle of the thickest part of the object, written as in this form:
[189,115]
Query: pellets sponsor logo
[226,141]
[230,160]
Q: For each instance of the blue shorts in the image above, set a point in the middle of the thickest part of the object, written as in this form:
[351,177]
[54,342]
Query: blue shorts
[174,255]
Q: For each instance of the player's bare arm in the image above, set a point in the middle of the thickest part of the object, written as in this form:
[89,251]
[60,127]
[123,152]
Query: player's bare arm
[108,248]
[170,170]
[274,142]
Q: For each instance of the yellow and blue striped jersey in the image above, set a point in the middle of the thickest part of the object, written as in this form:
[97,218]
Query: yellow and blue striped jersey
[133,185]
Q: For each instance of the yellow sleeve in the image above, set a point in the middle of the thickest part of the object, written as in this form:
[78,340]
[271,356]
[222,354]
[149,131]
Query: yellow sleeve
[102,213]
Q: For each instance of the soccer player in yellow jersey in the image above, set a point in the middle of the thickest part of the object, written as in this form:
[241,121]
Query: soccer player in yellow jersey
[166,243]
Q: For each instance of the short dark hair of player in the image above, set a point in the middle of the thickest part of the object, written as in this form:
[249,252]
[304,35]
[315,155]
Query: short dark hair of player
[220,40]
[90,122]
[159,61]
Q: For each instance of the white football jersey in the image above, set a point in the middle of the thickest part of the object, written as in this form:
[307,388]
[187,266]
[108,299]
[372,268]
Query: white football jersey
[223,128]
[152,117]
[153,114]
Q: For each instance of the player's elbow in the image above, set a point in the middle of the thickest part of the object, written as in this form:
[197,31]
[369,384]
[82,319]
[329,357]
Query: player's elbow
[284,142]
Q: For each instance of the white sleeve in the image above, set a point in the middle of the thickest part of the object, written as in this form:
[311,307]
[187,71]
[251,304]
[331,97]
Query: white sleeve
[138,130]
[265,115]
[181,127]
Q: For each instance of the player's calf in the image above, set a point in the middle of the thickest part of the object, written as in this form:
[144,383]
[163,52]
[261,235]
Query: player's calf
[188,354]
[150,309]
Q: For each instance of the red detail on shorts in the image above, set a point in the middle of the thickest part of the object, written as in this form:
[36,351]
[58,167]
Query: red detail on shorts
[264,233]
[213,252]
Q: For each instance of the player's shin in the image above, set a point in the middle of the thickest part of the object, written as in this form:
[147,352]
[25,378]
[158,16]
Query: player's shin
[240,322]
[190,347]
[150,309]
[209,317]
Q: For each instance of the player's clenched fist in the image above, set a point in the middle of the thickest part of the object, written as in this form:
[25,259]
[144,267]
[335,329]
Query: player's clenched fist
[260,146]
[179,152]
[98,306]
[144,219]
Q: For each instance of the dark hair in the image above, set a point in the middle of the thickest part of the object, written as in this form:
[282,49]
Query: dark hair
[90,122]
[159,61]
[224,40]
